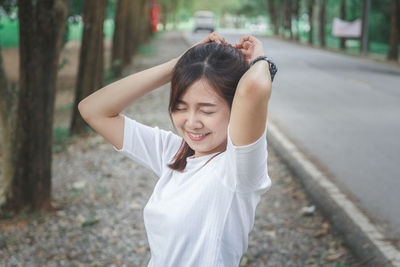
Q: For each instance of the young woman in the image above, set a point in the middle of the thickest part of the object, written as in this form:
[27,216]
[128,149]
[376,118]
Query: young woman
[212,174]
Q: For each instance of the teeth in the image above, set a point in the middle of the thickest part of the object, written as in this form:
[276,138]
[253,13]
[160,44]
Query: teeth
[197,135]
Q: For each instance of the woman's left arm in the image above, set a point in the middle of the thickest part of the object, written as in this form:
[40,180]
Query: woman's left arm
[250,104]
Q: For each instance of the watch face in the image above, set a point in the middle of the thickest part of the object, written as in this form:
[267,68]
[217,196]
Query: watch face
[273,70]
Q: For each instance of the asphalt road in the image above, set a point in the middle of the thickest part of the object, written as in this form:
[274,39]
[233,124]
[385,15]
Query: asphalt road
[344,113]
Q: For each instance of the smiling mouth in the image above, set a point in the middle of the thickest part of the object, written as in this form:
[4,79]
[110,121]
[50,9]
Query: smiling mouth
[197,137]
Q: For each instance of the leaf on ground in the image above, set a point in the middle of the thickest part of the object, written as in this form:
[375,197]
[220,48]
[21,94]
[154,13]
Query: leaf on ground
[141,249]
[320,232]
[333,257]
[90,223]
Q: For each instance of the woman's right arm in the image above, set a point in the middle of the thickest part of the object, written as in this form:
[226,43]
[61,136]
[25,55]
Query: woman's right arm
[102,108]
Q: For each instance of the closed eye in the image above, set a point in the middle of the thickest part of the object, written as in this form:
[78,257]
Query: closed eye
[207,112]
[180,107]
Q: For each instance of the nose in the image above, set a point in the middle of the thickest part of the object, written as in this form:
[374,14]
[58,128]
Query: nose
[193,121]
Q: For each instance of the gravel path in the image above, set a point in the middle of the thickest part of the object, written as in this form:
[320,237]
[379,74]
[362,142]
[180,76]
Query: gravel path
[99,197]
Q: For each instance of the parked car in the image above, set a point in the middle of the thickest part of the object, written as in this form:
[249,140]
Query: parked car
[204,20]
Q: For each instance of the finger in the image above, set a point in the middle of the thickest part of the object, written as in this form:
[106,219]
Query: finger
[249,38]
[239,45]
[244,38]
[218,38]
[246,45]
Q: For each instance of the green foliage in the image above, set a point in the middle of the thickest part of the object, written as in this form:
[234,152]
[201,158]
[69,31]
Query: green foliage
[251,8]
[74,193]
[75,7]
[218,7]
[76,30]
[380,21]
[3,241]
[9,32]
[5,215]
[146,50]
[101,190]
[61,137]
[110,9]
[65,108]
[90,221]
[340,264]
[8,5]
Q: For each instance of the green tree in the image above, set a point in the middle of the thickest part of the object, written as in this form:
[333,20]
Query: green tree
[272,8]
[343,17]
[322,22]
[394,40]
[310,20]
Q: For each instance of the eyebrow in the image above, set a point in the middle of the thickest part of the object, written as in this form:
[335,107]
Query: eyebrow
[203,104]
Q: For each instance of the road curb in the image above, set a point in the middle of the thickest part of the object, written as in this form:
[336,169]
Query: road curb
[358,232]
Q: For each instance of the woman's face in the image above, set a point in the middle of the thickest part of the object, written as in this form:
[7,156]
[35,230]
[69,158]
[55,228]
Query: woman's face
[201,118]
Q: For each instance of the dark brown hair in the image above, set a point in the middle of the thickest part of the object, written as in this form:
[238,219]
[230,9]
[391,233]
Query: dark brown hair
[221,65]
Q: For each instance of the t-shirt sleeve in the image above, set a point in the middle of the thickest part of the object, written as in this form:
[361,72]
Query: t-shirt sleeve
[149,146]
[248,165]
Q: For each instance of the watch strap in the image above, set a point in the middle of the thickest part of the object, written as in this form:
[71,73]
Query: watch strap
[272,67]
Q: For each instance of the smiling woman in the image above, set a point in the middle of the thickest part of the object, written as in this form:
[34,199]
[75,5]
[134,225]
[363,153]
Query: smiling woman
[201,99]
[212,174]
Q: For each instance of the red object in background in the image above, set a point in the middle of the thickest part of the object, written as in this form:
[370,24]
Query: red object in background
[154,15]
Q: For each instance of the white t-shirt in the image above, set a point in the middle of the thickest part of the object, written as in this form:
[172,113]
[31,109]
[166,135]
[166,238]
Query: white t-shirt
[202,216]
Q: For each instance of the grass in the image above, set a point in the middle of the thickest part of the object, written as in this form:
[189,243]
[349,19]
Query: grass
[76,30]
[61,138]
[65,108]
[352,45]
[9,31]
[147,50]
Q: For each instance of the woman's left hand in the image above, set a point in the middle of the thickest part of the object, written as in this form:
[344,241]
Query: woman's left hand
[251,47]
[213,37]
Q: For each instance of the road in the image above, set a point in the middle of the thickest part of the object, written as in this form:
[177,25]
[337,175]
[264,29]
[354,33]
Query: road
[344,113]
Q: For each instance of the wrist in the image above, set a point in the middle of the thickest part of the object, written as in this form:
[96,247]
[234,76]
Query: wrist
[271,65]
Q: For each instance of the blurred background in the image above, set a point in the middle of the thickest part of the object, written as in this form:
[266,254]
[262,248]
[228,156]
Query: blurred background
[336,97]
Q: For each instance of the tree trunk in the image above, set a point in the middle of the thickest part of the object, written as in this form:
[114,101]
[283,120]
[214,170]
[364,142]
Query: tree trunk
[8,104]
[288,17]
[393,41]
[91,64]
[310,20]
[296,16]
[363,16]
[343,17]
[121,15]
[274,17]
[7,100]
[164,14]
[322,20]
[138,13]
[129,33]
[141,29]
[26,181]
[146,22]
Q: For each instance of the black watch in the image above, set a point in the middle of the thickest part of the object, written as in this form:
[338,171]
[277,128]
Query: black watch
[272,67]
